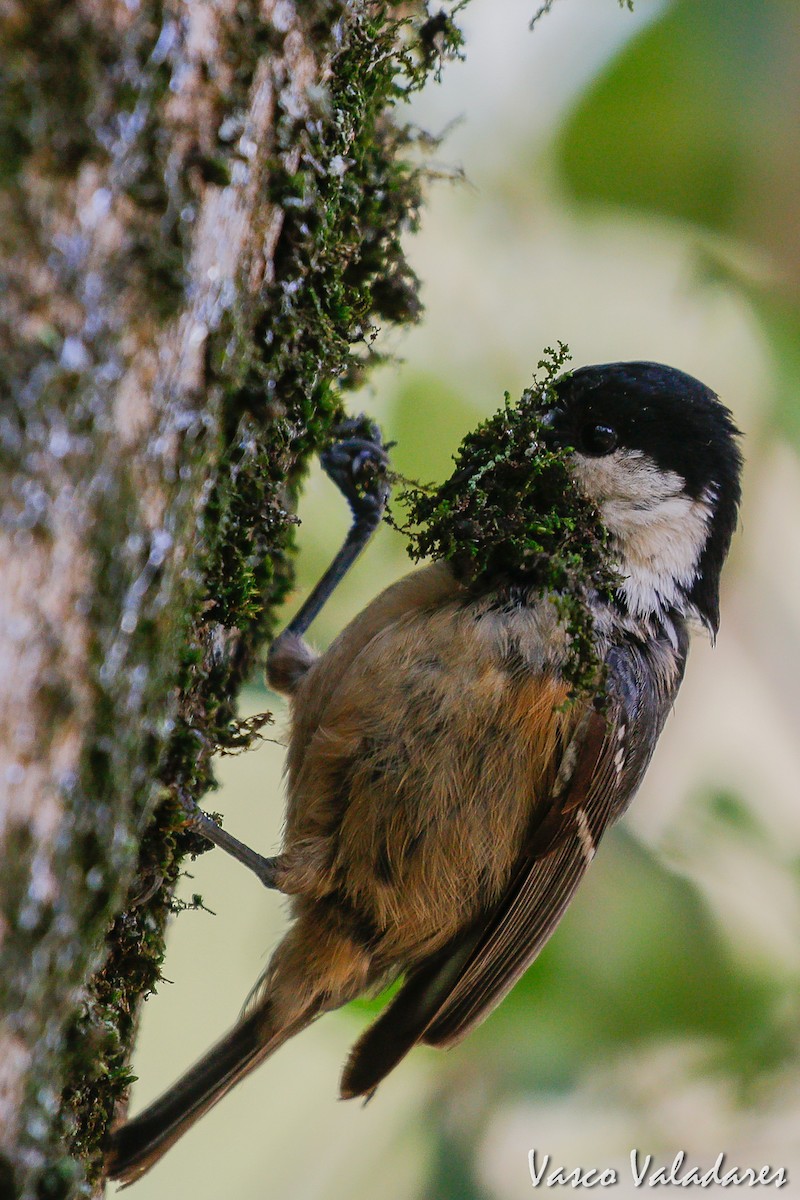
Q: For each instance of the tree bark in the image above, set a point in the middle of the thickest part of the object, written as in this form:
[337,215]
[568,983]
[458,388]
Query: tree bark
[200,212]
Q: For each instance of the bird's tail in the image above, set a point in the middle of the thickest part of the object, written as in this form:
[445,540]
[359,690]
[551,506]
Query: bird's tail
[138,1145]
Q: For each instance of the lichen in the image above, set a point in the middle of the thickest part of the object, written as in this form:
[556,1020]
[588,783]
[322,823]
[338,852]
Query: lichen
[511,516]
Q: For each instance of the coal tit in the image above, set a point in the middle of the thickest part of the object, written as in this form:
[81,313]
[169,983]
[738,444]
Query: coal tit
[444,801]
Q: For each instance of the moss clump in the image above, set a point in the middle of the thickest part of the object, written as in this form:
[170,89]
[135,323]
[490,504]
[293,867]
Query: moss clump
[511,516]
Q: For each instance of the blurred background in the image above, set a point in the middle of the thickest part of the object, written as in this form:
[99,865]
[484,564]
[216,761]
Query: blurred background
[633,189]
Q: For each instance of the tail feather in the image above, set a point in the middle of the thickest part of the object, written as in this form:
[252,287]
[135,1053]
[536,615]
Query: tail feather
[139,1144]
[403,1022]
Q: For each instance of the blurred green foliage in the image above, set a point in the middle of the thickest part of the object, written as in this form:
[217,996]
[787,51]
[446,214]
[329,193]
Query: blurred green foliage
[673,124]
[698,120]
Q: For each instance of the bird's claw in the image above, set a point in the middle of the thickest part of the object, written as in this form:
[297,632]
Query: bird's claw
[357,463]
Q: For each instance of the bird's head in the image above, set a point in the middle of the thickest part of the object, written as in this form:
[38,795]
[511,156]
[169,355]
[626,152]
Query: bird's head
[657,453]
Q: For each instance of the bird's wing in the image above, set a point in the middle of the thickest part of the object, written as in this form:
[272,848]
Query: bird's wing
[540,889]
[448,995]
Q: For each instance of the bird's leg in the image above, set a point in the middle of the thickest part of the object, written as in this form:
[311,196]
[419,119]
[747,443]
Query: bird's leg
[199,822]
[357,464]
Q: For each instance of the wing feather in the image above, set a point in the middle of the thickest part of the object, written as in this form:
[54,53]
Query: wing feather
[539,894]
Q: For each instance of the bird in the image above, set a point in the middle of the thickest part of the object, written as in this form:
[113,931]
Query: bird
[444,796]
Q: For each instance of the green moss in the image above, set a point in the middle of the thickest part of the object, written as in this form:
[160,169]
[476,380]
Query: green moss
[347,185]
[348,190]
[99,1038]
[52,59]
[216,170]
[511,516]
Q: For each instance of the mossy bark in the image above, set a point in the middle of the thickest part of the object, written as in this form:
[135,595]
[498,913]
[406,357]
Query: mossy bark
[200,213]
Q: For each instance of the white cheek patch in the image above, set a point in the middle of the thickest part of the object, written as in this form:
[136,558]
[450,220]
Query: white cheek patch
[658,531]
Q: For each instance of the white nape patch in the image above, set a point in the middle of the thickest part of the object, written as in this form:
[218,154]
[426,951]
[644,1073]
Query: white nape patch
[658,531]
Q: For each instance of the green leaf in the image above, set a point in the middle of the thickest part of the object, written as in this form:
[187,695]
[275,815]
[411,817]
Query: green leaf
[677,124]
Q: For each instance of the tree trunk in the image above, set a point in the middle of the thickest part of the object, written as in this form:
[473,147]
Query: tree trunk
[200,211]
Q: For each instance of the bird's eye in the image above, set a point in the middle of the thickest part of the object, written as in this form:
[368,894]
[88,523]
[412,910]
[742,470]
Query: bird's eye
[599,439]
